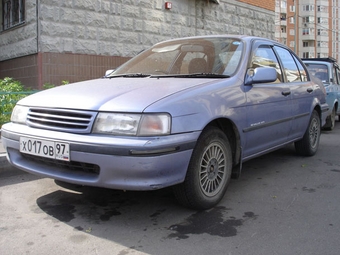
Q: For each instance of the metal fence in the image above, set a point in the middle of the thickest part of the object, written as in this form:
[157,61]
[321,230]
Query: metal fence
[8,101]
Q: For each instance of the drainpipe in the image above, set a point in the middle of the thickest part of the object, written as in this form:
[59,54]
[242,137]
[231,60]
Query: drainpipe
[39,56]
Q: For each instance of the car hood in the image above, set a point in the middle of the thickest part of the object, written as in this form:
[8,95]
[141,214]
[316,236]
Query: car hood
[116,94]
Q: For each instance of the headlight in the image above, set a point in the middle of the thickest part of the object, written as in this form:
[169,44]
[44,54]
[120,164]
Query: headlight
[19,114]
[132,124]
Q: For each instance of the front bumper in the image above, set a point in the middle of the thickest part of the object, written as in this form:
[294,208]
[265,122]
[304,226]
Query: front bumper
[126,163]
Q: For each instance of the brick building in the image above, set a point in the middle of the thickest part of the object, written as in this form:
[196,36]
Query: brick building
[309,27]
[48,41]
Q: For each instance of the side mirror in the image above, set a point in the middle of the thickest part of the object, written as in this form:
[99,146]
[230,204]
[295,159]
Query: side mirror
[261,75]
[108,72]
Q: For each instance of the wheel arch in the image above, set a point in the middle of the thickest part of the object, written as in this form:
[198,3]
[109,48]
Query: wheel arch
[232,133]
[336,105]
[318,109]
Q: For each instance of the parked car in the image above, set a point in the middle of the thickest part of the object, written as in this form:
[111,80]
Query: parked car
[185,113]
[327,70]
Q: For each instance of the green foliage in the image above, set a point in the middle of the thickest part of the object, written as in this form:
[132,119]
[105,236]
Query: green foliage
[48,85]
[11,91]
[10,85]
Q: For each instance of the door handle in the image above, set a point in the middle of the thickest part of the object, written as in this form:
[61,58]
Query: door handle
[285,93]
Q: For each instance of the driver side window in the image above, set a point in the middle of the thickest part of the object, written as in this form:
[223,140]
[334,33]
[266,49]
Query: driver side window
[265,57]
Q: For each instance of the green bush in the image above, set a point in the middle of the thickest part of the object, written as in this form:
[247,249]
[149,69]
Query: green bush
[11,91]
[48,85]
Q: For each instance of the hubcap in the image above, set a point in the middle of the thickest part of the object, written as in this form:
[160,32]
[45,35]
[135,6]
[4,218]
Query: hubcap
[213,170]
[314,133]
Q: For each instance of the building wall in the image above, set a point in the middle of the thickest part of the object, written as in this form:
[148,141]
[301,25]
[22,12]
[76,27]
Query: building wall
[24,69]
[21,40]
[125,27]
[112,31]
[316,37]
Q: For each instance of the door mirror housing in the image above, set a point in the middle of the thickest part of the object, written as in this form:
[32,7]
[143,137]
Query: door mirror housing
[261,75]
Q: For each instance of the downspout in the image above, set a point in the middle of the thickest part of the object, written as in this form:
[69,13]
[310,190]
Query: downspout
[39,56]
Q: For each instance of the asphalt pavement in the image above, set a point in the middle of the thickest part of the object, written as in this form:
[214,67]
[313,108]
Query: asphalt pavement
[282,204]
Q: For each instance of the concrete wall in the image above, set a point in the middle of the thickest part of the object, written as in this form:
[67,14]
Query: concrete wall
[21,40]
[125,27]
[118,29]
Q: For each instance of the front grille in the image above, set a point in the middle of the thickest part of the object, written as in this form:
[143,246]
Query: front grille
[72,166]
[61,120]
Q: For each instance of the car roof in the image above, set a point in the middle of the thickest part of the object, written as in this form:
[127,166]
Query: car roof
[241,37]
[329,60]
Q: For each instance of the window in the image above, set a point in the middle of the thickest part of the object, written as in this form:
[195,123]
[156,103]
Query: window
[338,75]
[305,31]
[305,54]
[289,65]
[319,20]
[291,20]
[12,13]
[335,77]
[308,8]
[319,43]
[283,4]
[302,70]
[305,19]
[319,70]
[304,44]
[265,57]
[292,8]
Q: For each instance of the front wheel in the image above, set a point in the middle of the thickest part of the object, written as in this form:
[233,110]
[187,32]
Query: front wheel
[208,173]
[309,144]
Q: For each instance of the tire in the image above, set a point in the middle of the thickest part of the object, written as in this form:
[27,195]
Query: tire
[209,171]
[330,121]
[309,144]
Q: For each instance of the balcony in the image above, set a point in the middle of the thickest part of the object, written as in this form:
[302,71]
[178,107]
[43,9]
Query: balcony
[308,37]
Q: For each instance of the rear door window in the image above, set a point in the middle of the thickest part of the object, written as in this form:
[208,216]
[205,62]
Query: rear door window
[290,67]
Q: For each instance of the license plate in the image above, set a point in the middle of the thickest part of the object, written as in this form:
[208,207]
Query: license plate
[45,148]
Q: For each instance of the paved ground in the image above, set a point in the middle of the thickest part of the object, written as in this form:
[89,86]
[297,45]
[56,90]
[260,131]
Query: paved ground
[282,204]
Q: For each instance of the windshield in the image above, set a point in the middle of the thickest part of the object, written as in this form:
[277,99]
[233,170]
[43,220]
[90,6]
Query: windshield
[188,56]
[318,70]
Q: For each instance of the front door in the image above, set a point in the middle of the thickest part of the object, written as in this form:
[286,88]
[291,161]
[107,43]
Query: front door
[268,107]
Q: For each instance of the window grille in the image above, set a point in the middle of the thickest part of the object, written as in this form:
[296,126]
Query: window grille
[13,13]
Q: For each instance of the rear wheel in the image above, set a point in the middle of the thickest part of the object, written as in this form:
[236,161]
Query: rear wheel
[208,173]
[309,144]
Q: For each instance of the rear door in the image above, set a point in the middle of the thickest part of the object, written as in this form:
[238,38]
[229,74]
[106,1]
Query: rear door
[302,91]
[269,107]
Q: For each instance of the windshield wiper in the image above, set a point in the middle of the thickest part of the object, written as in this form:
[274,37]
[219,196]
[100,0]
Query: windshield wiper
[193,75]
[129,75]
